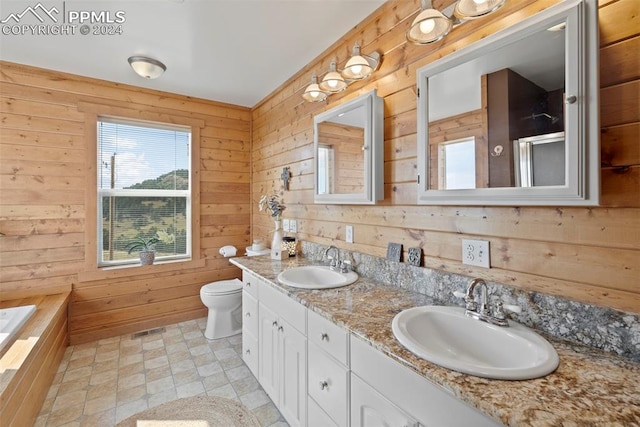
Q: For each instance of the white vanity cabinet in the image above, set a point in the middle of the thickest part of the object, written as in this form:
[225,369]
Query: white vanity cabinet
[328,370]
[282,367]
[396,394]
[250,321]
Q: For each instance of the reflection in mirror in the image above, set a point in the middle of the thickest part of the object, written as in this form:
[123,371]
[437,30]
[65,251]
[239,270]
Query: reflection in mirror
[517,110]
[348,152]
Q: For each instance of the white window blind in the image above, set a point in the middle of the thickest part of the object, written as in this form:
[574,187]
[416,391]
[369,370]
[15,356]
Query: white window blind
[143,188]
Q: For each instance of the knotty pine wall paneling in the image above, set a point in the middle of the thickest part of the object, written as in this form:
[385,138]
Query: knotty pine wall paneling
[586,254]
[43,175]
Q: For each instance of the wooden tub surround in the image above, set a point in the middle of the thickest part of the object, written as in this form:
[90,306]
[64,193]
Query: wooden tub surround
[29,364]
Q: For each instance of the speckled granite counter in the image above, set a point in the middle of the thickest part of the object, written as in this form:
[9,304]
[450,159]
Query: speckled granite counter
[590,387]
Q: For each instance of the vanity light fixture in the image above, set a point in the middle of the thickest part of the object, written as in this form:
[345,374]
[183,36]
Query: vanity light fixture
[146,67]
[313,93]
[333,82]
[429,26]
[358,67]
[432,25]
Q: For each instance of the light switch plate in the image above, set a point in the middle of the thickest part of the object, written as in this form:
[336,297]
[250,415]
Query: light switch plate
[349,233]
[476,252]
[293,226]
[286,225]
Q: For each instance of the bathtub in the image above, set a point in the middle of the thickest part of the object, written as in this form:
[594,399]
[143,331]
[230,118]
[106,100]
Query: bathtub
[11,320]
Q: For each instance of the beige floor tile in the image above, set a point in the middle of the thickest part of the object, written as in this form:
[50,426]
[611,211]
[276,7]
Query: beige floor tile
[192,334]
[76,374]
[74,398]
[210,369]
[64,416]
[185,377]
[130,359]
[178,356]
[152,345]
[157,373]
[130,381]
[215,381]
[105,366]
[180,346]
[73,386]
[225,353]
[155,353]
[191,389]
[79,352]
[224,391]
[245,385]
[47,405]
[134,368]
[254,399]
[103,419]
[182,365]
[130,408]
[204,359]
[157,362]
[107,347]
[160,385]
[80,362]
[232,362]
[235,374]
[162,397]
[174,339]
[267,414]
[103,377]
[131,394]
[198,350]
[107,341]
[100,404]
[105,389]
[108,355]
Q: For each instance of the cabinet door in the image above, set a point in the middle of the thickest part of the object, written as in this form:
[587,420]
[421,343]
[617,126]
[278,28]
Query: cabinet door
[293,374]
[370,409]
[250,351]
[268,352]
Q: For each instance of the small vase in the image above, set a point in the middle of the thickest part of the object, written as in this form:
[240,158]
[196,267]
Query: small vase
[147,257]
[276,242]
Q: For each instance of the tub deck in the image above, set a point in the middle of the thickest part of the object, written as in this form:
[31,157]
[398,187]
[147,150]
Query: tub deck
[28,365]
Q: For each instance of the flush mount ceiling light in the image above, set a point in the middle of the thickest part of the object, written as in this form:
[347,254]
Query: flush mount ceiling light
[313,93]
[148,68]
[432,25]
[472,9]
[333,82]
[358,67]
[429,26]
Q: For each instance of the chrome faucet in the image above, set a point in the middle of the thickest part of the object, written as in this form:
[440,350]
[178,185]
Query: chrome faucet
[334,261]
[483,313]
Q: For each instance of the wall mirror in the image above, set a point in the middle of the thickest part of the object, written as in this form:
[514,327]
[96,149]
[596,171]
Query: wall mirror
[348,152]
[513,119]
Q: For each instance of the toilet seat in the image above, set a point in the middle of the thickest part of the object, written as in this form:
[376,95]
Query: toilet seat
[222,287]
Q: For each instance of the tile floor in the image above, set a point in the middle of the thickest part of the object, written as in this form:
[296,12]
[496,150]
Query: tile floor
[99,384]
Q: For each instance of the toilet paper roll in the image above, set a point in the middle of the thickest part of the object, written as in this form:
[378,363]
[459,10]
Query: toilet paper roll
[227,251]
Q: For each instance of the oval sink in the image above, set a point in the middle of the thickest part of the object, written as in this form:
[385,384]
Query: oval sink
[447,337]
[316,277]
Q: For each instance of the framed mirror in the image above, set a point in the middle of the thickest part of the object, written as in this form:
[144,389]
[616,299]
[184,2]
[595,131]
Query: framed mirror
[348,152]
[513,118]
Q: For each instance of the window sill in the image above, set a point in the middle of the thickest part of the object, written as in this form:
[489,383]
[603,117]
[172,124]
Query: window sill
[117,272]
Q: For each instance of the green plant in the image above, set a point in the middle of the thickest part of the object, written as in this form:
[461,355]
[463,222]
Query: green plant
[141,244]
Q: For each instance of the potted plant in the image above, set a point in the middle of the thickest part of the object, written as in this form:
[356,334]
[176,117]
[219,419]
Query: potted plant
[147,247]
[275,207]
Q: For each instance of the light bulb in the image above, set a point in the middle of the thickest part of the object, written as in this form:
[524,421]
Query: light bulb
[332,83]
[427,26]
[314,94]
[479,1]
[356,69]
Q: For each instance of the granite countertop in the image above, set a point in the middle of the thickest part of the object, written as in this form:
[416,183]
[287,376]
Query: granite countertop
[590,386]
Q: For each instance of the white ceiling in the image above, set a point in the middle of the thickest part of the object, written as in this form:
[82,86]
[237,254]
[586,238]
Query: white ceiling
[234,51]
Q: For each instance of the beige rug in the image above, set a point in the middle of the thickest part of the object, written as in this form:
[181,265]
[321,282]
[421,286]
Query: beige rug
[199,411]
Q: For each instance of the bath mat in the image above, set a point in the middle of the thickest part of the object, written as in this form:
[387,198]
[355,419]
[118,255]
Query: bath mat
[198,411]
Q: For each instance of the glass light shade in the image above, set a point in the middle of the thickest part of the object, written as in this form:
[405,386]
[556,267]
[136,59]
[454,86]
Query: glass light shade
[357,67]
[333,82]
[148,68]
[471,9]
[313,93]
[429,26]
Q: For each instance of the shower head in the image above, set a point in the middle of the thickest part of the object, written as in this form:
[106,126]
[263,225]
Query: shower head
[554,119]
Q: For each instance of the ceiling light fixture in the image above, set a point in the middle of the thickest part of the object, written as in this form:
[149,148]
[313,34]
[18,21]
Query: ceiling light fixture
[432,25]
[358,67]
[148,68]
[313,93]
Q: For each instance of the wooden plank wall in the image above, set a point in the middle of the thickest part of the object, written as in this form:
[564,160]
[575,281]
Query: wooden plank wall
[586,254]
[42,212]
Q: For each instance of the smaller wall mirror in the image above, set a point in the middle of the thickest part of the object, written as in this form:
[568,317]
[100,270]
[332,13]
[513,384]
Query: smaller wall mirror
[513,119]
[348,152]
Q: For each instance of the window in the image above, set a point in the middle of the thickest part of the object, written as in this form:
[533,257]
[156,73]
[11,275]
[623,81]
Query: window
[457,164]
[144,187]
[325,169]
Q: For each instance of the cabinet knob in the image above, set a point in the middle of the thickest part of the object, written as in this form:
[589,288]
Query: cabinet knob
[275,323]
[280,328]
[571,99]
[248,351]
[248,284]
[324,336]
[247,314]
[324,385]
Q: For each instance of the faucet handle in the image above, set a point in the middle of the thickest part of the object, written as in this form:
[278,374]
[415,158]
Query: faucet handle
[500,310]
[459,294]
[512,308]
[345,266]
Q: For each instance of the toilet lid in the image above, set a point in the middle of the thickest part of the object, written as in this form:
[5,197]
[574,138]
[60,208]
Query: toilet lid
[222,287]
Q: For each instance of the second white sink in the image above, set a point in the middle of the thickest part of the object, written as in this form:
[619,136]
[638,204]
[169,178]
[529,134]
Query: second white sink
[316,277]
[447,337]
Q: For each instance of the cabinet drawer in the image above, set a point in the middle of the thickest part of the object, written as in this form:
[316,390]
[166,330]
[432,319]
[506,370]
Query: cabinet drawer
[250,283]
[287,308]
[250,352]
[249,314]
[370,409]
[328,336]
[329,384]
[317,417]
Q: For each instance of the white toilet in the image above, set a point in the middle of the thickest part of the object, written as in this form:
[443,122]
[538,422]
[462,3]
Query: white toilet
[224,301]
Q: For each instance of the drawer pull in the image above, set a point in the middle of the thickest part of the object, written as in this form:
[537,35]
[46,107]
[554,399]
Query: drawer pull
[275,323]
[247,314]
[248,284]
[324,385]
[280,328]
[324,337]
[248,351]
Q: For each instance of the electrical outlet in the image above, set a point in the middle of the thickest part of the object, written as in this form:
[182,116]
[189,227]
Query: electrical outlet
[286,225]
[349,233]
[476,252]
[293,226]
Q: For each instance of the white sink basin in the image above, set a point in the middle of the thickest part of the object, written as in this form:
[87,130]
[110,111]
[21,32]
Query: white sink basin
[316,277]
[447,337]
